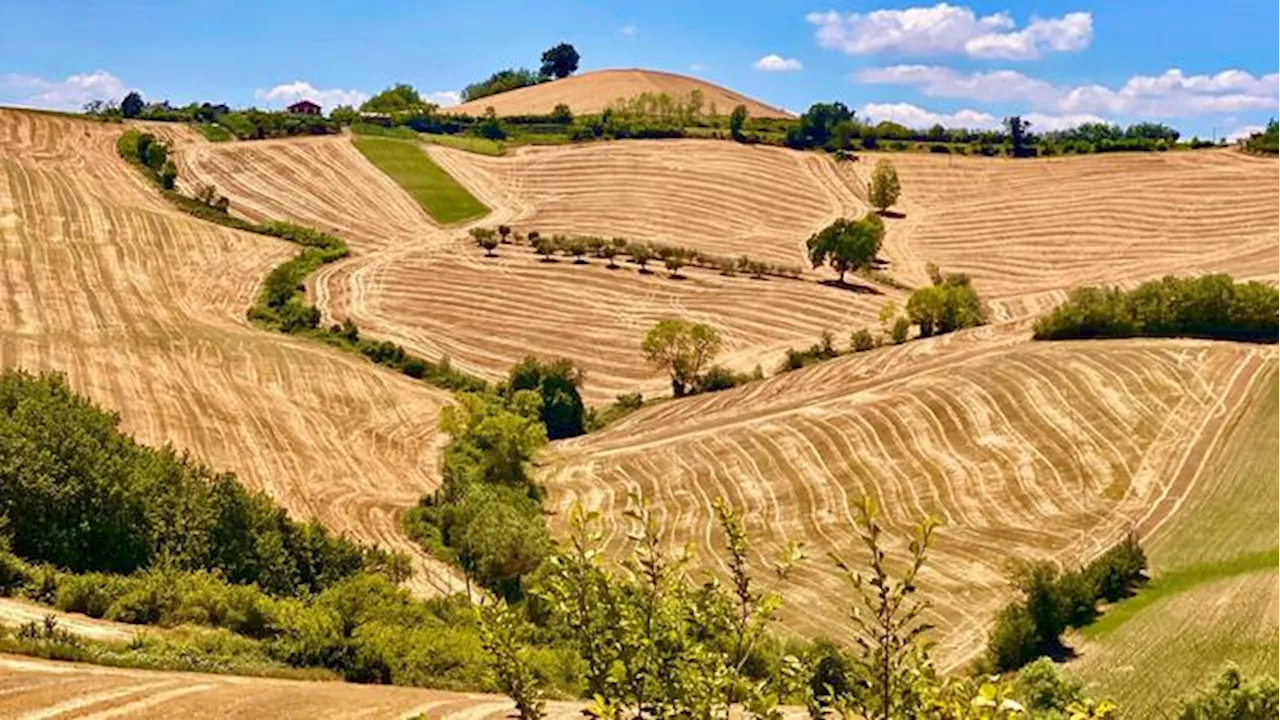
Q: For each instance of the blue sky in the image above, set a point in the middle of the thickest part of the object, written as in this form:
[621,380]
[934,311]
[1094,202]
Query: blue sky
[1203,70]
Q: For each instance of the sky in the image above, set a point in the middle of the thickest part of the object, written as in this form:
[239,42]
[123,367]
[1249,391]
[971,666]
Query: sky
[1209,69]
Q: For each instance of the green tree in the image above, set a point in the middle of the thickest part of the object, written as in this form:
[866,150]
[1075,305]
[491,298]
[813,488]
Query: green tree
[344,115]
[545,245]
[558,382]
[485,238]
[1233,697]
[682,349]
[1018,135]
[737,119]
[560,61]
[641,253]
[562,114]
[884,186]
[399,98]
[847,244]
[132,104]
[951,305]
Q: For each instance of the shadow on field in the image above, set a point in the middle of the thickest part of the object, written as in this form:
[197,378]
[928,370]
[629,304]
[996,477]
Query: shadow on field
[851,287]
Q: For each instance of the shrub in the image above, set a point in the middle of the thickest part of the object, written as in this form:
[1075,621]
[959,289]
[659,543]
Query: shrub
[558,382]
[862,340]
[901,330]
[1233,697]
[948,305]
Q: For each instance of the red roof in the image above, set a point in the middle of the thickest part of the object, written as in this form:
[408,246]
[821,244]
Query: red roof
[304,105]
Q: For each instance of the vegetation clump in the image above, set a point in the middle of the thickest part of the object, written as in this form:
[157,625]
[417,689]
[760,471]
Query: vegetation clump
[847,245]
[1210,306]
[683,349]
[1266,142]
[950,304]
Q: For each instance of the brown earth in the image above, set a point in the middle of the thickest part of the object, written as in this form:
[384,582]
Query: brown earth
[592,92]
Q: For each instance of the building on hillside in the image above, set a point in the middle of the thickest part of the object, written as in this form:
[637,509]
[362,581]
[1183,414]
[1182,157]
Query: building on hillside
[304,107]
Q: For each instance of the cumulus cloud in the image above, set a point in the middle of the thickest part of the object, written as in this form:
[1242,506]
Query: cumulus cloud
[950,29]
[1173,94]
[777,63]
[917,117]
[630,30]
[70,93]
[290,93]
[444,98]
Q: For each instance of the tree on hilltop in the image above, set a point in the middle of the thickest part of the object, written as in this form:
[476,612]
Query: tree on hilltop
[131,105]
[560,61]
[399,98]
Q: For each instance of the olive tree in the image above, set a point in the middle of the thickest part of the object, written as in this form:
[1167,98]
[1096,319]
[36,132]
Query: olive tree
[884,185]
[683,349]
[485,238]
[847,244]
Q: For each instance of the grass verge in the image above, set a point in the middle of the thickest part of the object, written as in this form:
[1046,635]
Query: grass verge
[434,189]
[478,145]
[214,132]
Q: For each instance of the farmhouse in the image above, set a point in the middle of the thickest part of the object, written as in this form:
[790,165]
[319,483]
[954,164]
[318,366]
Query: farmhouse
[304,107]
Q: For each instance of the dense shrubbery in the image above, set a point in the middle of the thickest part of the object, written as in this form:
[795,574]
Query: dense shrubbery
[1233,697]
[215,120]
[1266,142]
[1210,306]
[1053,601]
[558,383]
[79,494]
[949,304]
[502,81]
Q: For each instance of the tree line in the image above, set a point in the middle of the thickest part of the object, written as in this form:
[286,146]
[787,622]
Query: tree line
[247,124]
[559,61]
[1209,306]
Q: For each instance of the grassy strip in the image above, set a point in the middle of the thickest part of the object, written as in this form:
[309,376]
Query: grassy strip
[370,129]
[213,132]
[1178,582]
[478,145]
[435,190]
[281,305]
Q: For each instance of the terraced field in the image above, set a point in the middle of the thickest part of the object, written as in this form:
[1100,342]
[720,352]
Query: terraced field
[1028,231]
[1022,450]
[143,308]
[432,291]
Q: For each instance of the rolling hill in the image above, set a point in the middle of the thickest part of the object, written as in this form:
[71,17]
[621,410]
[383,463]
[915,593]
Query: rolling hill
[592,92]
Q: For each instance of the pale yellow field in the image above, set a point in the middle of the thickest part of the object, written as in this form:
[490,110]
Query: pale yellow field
[592,92]
[1025,451]
[432,290]
[143,308]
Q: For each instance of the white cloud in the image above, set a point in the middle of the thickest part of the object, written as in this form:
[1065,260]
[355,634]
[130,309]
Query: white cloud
[919,118]
[289,93]
[444,98]
[630,30]
[950,29]
[70,93]
[1243,132]
[777,63]
[698,67]
[1172,94]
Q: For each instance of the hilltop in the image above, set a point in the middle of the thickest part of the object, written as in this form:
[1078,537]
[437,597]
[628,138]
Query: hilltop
[592,92]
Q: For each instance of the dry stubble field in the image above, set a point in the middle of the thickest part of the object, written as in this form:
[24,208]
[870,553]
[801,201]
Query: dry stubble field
[431,289]
[143,308]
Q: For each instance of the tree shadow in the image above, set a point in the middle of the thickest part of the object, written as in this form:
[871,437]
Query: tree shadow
[851,287]
[891,214]
[549,260]
[645,271]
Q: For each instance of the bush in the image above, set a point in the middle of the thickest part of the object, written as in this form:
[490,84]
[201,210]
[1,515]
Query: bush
[950,304]
[1210,306]
[1233,697]
[558,383]
[901,330]
[862,340]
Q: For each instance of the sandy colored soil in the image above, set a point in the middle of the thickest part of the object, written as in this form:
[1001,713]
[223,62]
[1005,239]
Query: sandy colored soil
[431,289]
[1029,230]
[15,612]
[1022,450]
[592,92]
[36,689]
[143,308]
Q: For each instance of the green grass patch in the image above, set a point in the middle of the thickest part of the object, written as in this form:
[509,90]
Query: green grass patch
[373,130]
[435,190]
[469,143]
[1177,582]
[214,132]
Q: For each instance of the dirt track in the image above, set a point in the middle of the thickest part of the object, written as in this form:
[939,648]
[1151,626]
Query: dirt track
[143,308]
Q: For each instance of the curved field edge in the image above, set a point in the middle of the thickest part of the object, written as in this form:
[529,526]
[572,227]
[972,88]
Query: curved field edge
[111,285]
[1036,451]
[444,198]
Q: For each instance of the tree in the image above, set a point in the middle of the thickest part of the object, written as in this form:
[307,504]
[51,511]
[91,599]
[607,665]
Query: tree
[1234,697]
[485,238]
[884,186]
[737,119]
[399,98]
[558,383]
[502,81]
[683,349]
[609,251]
[1017,129]
[641,253]
[560,61]
[131,105]
[847,244]
[344,115]
[674,261]
[562,114]
[503,232]
[544,245]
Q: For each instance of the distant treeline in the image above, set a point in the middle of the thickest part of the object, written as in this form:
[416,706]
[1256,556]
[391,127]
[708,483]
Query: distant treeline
[1266,142]
[1211,306]
[249,124]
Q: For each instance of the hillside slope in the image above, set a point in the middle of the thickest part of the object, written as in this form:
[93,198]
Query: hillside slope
[592,92]
[143,307]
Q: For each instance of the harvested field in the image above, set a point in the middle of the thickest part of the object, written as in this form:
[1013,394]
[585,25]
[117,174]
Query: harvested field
[592,92]
[1022,451]
[43,689]
[143,308]
[1029,230]
[434,292]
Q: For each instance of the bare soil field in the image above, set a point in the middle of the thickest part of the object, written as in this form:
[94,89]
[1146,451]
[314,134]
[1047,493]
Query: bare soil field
[1029,230]
[1022,450]
[432,290]
[592,92]
[143,308]
[32,689]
